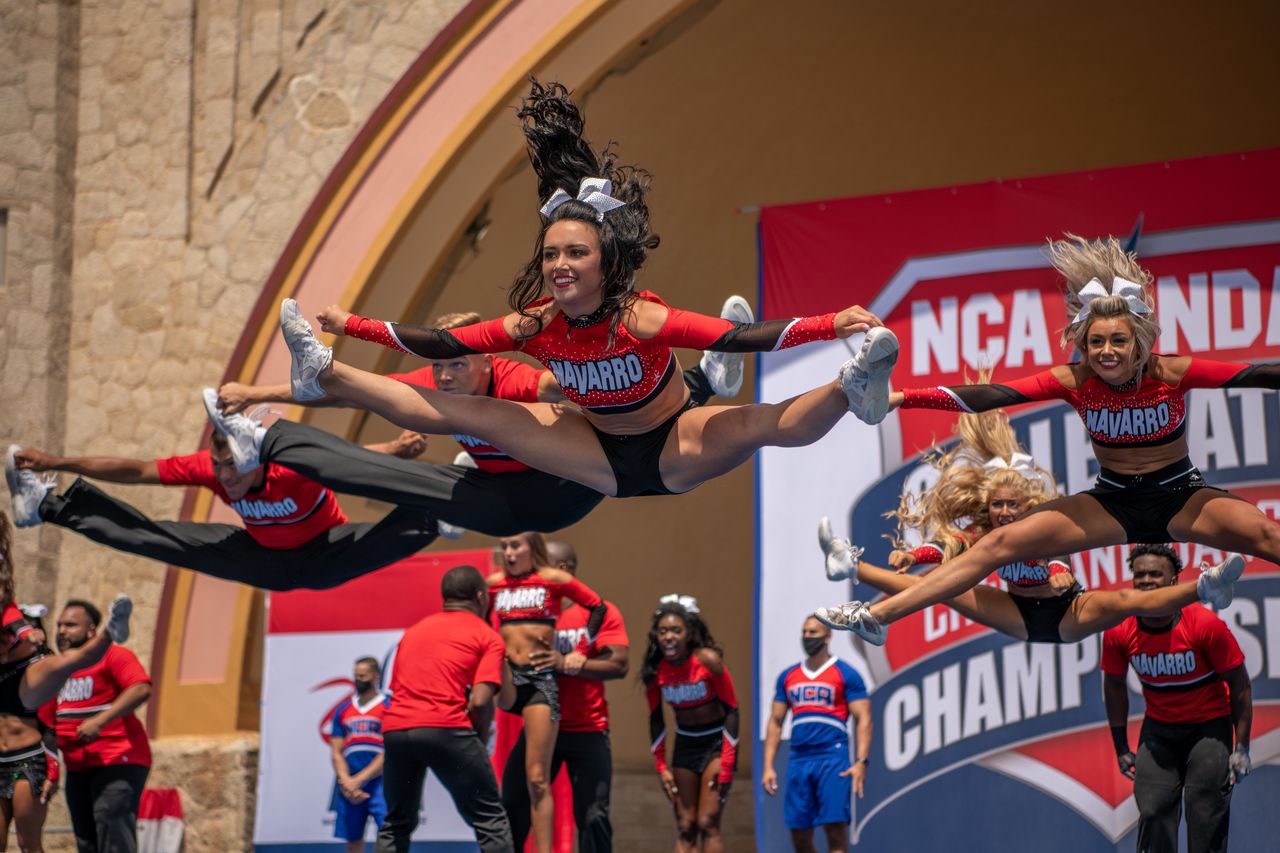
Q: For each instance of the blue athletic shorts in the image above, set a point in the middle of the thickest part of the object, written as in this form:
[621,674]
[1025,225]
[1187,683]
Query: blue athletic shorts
[814,792]
[350,818]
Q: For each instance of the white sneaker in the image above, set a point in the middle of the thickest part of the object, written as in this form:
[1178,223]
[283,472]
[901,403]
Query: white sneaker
[724,370]
[842,557]
[865,377]
[1216,585]
[453,531]
[27,489]
[118,618]
[310,357]
[242,432]
[856,617]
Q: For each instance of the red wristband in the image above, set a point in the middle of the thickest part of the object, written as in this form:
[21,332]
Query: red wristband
[377,331]
[931,398]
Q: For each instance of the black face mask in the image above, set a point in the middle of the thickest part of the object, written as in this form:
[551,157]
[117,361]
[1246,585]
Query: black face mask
[364,686]
[813,645]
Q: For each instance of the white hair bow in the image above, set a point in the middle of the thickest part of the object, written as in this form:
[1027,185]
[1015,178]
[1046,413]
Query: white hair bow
[1023,464]
[1131,292]
[688,602]
[592,191]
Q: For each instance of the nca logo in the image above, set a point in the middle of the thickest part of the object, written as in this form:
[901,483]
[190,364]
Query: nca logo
[77,689]
[522,598]
[808,693]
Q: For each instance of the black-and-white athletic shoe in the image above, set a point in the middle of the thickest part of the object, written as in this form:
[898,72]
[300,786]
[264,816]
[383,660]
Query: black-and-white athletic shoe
[1216,584]
[242,432]
[724,370]
[27,488]
[856,617]
[310,357]
[453,531]
[865,377]
[118,618]
[841,555]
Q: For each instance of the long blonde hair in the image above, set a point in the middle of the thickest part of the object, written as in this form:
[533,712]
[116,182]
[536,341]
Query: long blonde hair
[1079,261]
[953,511]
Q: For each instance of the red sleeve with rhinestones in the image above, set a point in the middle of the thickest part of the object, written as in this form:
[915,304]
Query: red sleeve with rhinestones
[926,554]
[983,398]
[489,336]
[698,331]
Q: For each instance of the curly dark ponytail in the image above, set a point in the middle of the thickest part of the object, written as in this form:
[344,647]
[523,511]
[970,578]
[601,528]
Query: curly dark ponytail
[561,157]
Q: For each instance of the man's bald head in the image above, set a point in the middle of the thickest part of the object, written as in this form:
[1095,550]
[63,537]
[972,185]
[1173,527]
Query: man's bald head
[563,556]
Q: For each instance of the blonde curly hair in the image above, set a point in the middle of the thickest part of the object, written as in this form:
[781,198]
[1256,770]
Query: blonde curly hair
[1079,261]
[953,512]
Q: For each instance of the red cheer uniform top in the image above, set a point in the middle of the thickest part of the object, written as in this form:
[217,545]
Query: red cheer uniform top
[90,692]
[690,684]
[1153,413]
[1024,574]
[511,380]
[289,510]
[583,707]
[532,597]
[1180,668]
[14,626]
[436,663]
[625,387]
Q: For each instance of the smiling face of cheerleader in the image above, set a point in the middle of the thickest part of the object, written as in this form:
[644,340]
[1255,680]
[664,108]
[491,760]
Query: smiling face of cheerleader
[571,268]
[1111,349]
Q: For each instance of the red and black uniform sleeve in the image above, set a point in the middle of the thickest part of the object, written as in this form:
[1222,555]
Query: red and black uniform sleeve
[579,593]
[657,725]
[926,554]
[698,331]
[723,685]
[49,739]
[489,336]
[1205,373]
[984,398]
[14,625]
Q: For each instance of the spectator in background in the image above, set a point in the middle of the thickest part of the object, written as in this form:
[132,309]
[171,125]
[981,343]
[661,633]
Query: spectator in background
[822,693]
[103,745]
[1198,697]
[582,745]
[356,743]
[449,667]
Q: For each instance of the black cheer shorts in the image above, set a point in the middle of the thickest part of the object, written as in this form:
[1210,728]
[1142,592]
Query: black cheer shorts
[635,458]
[1144,504]
[1042,616]
[28,763]
[695,749]
[535,687]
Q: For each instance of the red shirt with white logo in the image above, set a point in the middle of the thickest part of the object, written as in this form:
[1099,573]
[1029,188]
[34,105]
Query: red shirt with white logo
[289,510]
[1180,668]
[512,380]
[532,597]
[90,692]
[583,707]
[436,663]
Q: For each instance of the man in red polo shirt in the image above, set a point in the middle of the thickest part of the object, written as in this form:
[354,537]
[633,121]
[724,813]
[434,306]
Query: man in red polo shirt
[448,669]
[1199,699]
[582,745]
[295,535]
[103,745]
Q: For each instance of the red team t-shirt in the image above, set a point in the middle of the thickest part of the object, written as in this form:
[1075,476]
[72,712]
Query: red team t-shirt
[289,510]
[87,693]
[437,660]
[512,380]
[583,707]
[1180,669]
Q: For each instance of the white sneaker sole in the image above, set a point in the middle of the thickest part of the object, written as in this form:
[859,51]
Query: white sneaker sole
[875,361]
[25,513]
[1224,579]
[725,370]
[309,357]
[121,609]
[837,554]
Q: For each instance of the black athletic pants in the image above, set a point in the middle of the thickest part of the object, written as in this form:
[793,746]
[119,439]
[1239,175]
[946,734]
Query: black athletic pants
[103,803]
[1177,762]
[480,501]
[590,763]
[461,763]
[224,551]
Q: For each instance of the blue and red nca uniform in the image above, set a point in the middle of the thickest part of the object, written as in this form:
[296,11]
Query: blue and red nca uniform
[360,727]
[818,700]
